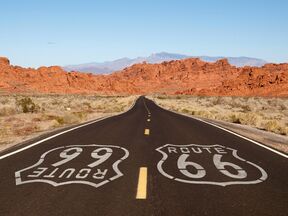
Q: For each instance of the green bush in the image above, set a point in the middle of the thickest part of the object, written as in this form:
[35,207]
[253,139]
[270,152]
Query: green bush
[27,105]
[60,120]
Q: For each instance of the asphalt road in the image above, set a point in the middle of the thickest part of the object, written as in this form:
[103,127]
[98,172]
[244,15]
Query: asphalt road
[138,163]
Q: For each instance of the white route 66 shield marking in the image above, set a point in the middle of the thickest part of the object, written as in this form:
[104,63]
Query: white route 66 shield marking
[92,164]
[208,164]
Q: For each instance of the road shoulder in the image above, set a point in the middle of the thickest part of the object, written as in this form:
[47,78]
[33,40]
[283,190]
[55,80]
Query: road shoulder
[267,138]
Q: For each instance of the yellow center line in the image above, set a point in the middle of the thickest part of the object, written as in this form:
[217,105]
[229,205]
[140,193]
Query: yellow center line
[146,131]
[142,183]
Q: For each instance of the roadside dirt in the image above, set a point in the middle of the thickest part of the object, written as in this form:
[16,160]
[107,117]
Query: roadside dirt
[267,138]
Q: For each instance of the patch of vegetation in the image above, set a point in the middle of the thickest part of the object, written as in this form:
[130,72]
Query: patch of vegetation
[27,105]
[272,126]
[27,114]
[265,113]
[60,120]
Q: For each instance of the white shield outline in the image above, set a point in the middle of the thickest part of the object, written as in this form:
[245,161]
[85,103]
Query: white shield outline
[55,184]
[234,153]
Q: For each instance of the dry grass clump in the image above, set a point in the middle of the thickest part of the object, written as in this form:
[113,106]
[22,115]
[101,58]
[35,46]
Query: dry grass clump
[24,115]
[269,114]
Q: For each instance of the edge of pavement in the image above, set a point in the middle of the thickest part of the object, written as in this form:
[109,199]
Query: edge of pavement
[14,149]
[276,141]
[229,130]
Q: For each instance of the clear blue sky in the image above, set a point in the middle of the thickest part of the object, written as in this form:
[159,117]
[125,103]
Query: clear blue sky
[60,32]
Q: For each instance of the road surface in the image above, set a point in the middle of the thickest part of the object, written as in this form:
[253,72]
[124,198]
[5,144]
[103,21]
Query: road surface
[146,161]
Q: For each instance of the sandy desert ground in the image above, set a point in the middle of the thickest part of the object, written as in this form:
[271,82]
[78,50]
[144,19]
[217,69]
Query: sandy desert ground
[25,116]
[270,114]
[261,119]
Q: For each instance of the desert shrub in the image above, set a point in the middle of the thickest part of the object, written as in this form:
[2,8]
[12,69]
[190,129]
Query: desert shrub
[234,119]
[48,117]
[178,97]
[283,107]
[200,98]
[87,104]
[283,130]
[218,100]
[115,109]
[162,97]
[71,118]
[80,115]
[193,112]
[204,113]
[250,119]
[60,120]
[27,105]
[246,108]
[55,102]
[235,104]
[68,118]
[185,111]
[99,107]
[272,126]
[272,103]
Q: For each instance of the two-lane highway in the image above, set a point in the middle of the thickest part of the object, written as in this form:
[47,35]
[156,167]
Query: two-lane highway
[146,161]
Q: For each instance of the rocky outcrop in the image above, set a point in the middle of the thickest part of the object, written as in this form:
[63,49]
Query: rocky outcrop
[188,76]
[4,61]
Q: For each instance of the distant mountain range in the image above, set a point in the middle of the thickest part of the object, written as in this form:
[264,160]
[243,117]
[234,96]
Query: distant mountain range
[119,64]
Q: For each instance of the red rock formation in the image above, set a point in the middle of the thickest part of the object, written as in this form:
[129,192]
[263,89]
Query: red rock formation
[189,76]
[4,61]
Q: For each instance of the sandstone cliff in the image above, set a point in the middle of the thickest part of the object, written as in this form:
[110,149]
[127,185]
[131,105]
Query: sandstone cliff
[189,76]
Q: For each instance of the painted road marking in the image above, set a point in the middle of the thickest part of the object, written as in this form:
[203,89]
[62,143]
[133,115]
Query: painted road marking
[146,131]
[142,183]
[63,132]
[146,107]
[50,169]
[179,160]
[148,120]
